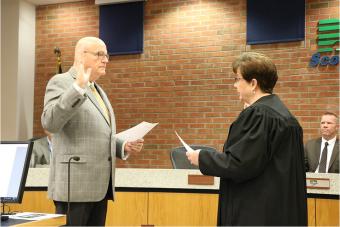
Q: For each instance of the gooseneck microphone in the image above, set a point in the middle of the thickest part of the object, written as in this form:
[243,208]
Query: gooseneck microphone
[75,158]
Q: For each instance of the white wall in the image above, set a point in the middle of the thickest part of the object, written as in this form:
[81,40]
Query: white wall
[17,71]
[9,69]
[0,67]
[26,70]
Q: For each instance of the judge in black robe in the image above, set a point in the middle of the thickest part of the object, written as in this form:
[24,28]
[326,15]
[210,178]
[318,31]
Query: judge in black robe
[261,169]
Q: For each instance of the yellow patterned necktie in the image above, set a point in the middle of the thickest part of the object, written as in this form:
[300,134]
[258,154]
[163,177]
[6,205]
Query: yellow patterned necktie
[100,102]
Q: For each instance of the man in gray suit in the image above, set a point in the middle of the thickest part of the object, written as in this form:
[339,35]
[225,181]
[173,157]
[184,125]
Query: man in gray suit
[78,113]
[325,148]
[41,152]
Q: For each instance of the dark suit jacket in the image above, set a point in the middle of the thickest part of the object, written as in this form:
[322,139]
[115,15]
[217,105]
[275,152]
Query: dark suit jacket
[261,169]
[312,155]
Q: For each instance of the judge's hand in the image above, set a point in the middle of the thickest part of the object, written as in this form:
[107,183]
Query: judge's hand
[134,146]
[193,156]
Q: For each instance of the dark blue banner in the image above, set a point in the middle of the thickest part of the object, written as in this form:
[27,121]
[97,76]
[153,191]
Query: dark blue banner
[271,21]
[121,27]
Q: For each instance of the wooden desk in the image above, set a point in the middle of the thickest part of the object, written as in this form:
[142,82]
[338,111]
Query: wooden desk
[163,197]
[57,221]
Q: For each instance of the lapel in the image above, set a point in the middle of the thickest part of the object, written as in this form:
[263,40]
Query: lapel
[73,73]
[107,102]
[95,102]
[317,151]
[335,154]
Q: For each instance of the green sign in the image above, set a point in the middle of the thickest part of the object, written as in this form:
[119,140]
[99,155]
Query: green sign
[328,42]
[328,35]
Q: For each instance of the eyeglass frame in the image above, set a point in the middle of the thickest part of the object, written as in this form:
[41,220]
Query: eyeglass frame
[237,79]
[99,54]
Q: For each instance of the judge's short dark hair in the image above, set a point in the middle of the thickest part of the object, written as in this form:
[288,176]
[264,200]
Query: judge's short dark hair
[257,66]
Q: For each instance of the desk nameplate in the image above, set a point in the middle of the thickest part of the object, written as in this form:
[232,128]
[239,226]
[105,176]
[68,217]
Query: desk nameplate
[318,183]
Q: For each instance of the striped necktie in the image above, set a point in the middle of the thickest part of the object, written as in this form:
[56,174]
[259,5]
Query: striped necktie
[100,102]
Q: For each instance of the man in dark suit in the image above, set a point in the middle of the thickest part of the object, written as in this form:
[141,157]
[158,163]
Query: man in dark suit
[79,114]
[322,154]
[41,152]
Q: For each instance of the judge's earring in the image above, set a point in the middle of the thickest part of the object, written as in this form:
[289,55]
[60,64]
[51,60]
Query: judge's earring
[254,92]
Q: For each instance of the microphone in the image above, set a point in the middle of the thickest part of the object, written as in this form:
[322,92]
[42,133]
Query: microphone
[75,158]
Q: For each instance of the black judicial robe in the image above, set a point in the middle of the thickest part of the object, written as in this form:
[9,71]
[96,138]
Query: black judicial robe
[261,169]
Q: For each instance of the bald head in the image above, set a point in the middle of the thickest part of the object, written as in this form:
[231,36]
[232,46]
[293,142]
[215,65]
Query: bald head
[83,43]
[91,52]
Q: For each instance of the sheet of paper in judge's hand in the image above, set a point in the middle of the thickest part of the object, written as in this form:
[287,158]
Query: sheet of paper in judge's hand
[187,147]
[136,132]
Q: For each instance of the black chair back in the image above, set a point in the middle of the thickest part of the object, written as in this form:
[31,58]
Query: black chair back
[179,159]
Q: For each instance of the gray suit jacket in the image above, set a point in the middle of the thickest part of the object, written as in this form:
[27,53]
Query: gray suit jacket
[41,153]
[312,155]
[79,129]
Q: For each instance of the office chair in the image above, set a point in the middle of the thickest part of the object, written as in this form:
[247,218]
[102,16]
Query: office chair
[35,138]
[180,161]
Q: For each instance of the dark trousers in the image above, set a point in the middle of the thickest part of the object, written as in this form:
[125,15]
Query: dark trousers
[86,213]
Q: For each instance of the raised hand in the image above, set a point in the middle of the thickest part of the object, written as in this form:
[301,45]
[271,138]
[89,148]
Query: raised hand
[83,75]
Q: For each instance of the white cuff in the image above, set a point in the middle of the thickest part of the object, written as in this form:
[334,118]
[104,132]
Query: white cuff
[124,157]
[79,89]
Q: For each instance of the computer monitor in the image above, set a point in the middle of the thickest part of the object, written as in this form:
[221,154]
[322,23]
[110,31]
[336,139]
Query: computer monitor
[14,164]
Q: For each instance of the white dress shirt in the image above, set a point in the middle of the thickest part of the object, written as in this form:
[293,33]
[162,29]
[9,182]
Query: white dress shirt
[330,148]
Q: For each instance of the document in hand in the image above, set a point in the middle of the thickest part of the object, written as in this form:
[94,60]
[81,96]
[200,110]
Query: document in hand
[187,147]
[137,132]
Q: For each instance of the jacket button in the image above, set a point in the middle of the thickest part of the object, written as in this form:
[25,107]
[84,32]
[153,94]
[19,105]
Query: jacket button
[109,159]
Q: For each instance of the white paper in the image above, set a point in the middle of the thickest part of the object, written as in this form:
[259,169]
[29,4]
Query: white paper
[34,216]
[137,132]
[187,147]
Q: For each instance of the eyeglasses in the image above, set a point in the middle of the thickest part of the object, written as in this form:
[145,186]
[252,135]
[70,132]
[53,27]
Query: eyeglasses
[237,79]
[99,54]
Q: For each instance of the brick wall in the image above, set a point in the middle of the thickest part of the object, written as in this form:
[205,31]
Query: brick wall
[183,80]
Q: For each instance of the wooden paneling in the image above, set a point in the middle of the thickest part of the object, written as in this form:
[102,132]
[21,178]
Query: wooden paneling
[161,209]
[129,208]
[311,211]
[186,209]
[327,212]
[34,201]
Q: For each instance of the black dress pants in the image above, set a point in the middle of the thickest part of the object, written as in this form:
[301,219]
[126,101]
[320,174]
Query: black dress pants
[86,213]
